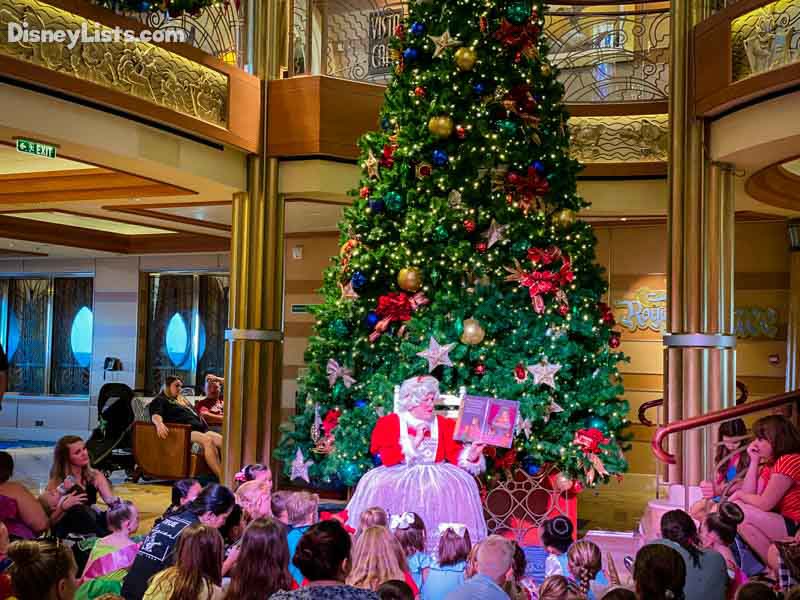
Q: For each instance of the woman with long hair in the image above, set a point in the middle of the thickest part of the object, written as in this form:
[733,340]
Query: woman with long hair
[42,571]
[210,508]
[262,567]
[378,557]
[323,557]
[584,561]
[770,494]
[706,571]
[72,491]
[197,574]
[170,406]
[659,573]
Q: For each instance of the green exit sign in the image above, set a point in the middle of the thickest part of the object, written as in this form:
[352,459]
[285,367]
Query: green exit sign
[36,148]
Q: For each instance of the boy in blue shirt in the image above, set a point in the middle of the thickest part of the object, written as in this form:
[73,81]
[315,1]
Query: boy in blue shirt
[302,510]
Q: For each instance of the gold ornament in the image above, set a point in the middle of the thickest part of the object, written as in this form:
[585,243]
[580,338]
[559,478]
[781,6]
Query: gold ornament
[564,218]
[410,279]
[545,70]
[563,483]
[473,333]
[466,58]
[441,127]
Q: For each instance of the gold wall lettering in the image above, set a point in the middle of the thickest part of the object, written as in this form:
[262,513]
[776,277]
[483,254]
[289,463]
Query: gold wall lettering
[647,309]
[139,69]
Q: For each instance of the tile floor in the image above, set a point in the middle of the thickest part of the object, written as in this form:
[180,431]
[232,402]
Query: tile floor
[616,507]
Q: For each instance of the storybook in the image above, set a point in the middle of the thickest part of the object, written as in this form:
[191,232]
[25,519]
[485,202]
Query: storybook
[488,421]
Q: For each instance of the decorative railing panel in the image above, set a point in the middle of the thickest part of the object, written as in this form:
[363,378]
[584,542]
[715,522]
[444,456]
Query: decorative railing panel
[641,138]
[219,30]
[765,39]
[612,55]
[605,53]
[145,71]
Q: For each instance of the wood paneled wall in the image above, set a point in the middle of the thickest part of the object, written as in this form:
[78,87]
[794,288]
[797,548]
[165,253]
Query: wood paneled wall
[635,257]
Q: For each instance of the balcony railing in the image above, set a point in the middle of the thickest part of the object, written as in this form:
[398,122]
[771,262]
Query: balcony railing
[606,53]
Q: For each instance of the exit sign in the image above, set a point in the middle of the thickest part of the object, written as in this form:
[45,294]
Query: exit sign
[36,148]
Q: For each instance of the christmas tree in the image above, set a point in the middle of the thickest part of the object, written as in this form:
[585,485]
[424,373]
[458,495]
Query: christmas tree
[462,256]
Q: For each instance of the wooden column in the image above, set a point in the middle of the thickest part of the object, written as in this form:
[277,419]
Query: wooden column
[254,351]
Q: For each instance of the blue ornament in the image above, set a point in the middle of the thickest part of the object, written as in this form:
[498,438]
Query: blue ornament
[359,280]
[595,422]
[440,158]
[145,6]
[417,28]
[350,473]
[376,460]
[386,124]
[479,89]
[376,205]
[532,469]
[371,320]
[394,201]
[361,404]
[539,166]
[410,54]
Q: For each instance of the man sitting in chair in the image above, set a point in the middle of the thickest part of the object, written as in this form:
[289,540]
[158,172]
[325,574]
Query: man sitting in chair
[171,407]
[211,406]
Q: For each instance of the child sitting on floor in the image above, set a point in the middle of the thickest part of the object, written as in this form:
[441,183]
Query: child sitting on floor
[409,530]
[302,509]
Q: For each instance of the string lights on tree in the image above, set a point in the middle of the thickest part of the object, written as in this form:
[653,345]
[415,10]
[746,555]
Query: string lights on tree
[463,255]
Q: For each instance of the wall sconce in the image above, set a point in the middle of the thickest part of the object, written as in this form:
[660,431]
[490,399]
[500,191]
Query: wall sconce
[297,252]
[774,359]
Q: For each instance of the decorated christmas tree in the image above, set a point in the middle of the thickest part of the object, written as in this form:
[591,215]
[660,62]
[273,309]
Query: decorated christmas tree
[462,256]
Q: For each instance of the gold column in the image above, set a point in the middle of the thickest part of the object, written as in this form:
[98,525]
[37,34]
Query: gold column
[253,351]
[793,334]
[698,370]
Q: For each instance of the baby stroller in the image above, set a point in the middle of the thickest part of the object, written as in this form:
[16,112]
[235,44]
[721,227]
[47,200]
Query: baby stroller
[110,446]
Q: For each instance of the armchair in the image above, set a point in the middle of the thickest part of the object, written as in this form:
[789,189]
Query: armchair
[175,457]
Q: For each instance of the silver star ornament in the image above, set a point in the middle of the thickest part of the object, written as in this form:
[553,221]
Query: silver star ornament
[443,42]
[437,354]
[300,466]
[544,373]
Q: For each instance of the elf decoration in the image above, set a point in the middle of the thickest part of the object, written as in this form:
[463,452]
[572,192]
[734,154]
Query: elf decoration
[462,256]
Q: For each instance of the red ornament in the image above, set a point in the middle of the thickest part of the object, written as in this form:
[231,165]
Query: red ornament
[400,31]
[614,340]
[419,92]
[520,373]
[563,310]
[364,192]
[606,315]
[481,247]
[513,178]
[469,225]
[461,132]
[331,421]
[387,157]
[484,24]
[480,369]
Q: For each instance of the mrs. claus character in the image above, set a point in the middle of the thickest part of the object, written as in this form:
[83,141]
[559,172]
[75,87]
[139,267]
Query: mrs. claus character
[424,470]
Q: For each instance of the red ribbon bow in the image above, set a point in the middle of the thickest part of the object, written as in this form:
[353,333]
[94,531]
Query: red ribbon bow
[589,440]
[521,38]
[396,306]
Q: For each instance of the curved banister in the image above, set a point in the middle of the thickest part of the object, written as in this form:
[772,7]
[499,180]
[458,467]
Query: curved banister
[715,417]
[744,394]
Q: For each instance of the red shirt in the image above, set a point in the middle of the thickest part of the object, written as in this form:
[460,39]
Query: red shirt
[787,465]
[386,440]
[209,405]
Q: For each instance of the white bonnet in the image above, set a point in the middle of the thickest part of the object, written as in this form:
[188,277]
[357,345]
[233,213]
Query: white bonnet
[414,390]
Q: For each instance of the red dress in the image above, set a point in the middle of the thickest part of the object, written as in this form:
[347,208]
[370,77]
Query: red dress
[386,441]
